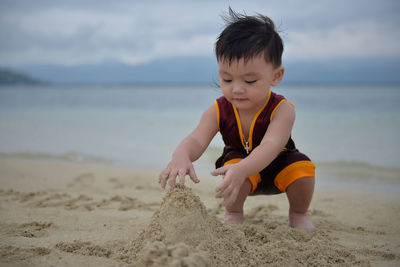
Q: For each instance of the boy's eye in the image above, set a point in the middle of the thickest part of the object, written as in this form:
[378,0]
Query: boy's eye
[250,82]
[227,81]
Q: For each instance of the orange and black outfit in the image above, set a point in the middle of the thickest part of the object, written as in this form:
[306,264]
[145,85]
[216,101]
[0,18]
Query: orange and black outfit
[286,168]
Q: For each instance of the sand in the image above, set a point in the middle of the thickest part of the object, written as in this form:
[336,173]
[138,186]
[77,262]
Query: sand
[71,214]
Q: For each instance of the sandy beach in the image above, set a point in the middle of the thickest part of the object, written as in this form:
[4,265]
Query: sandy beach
[57,213]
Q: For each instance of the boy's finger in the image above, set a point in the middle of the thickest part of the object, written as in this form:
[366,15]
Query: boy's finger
[172,178]
[162,179]
[221,187]
[219,171]
[193,175]
[219,194]
[224,193]
[234,195]
[230,198]
[182,178]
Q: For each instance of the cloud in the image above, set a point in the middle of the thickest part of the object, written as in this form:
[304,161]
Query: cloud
[356,40]
[74,35]
[134,32]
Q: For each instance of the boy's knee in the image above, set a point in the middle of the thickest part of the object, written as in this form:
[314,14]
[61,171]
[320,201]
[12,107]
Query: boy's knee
[302,183]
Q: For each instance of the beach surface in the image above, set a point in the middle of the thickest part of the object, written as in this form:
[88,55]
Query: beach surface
[55,213]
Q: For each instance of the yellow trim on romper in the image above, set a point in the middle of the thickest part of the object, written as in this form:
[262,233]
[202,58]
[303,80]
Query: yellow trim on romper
[239,123]
[254,179]
[217,108]
[280,102]
[294,172]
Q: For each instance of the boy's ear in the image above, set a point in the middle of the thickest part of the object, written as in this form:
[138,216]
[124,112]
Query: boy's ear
[278,75]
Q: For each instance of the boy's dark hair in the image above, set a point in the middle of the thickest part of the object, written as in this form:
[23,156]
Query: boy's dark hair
[248,36]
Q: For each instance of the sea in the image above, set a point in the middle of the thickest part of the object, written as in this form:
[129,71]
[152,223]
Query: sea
[139,126]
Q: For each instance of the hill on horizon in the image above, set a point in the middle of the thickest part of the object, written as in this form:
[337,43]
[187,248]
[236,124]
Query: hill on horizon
[9,77]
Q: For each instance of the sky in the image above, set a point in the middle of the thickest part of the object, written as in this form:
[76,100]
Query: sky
[135,32]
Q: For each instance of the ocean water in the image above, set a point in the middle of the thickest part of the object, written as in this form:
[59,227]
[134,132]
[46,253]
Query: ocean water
[140,126]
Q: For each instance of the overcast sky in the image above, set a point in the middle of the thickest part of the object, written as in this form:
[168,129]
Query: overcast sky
[94,31]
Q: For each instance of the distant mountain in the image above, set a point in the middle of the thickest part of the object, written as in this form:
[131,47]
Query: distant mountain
[204,70]
[172,70]
[8,77]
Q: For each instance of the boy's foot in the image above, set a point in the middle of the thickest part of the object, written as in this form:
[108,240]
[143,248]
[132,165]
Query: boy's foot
[233,217]
[300,221]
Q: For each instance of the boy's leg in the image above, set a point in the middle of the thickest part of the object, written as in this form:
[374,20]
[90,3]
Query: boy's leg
[234,213]
[299,194]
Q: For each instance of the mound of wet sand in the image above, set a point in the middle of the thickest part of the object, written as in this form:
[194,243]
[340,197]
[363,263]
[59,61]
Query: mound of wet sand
[182,233]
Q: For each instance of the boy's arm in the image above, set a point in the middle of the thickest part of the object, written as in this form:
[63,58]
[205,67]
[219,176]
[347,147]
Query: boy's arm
[273,142]
[190,149]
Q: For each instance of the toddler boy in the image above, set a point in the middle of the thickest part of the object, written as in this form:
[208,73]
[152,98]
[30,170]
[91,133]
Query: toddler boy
[259,156]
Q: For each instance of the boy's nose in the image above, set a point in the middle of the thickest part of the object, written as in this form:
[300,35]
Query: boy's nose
[237,88]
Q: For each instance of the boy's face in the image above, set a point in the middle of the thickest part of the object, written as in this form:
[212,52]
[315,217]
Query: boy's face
[246,85]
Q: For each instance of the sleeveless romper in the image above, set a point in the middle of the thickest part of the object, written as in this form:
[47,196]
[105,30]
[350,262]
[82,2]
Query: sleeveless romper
[286,168]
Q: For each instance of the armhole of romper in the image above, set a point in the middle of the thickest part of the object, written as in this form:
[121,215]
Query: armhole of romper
[280,102]
[217,109]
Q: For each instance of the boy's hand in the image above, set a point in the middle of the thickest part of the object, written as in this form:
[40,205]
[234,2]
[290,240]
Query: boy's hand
[230,186]
[177,167]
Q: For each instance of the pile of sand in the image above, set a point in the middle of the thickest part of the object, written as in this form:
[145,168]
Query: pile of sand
[182,233]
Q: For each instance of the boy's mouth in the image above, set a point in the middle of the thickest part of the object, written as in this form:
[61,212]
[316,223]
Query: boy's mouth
[239,99]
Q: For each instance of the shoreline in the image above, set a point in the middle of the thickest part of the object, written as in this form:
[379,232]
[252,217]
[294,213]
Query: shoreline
[339,174]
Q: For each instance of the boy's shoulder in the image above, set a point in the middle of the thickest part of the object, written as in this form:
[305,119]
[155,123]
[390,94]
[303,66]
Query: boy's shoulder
[221,100]
[223,105]
[276,97]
